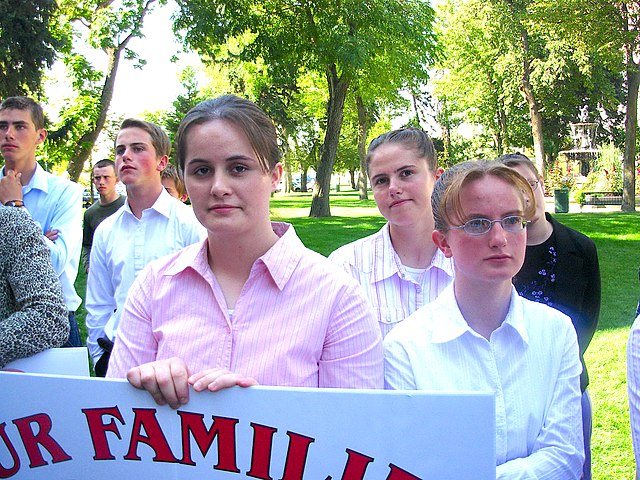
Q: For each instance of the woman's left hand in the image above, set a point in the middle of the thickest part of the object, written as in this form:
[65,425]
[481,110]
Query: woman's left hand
[215,379]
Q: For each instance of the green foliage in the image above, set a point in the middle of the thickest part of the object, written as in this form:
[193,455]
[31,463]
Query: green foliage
[606,173]
[609,168]
[380,46]
[558,177]
[102,26]
[31,39]
[482,69]
[309,36]
[185,101]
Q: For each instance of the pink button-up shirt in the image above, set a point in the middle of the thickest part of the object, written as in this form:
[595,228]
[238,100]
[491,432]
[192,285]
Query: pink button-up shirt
[299,320]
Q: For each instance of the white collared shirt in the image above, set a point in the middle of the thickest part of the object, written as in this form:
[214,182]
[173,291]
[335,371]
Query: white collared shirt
[530,363]
[122,246]
[633,385]
[55,203]
[391,289]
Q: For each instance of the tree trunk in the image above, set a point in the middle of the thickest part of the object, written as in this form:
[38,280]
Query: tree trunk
[85,144]
[352,179]
[87,141]
[445,126]
[534,109]
[497,141]
[363,131]
[630,125]
[303,178]
[504,134]
[335,109]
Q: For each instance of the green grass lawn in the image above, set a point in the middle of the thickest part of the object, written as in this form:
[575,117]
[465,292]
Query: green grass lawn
[617,237]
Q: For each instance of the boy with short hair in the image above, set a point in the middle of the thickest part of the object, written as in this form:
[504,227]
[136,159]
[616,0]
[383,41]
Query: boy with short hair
[149,225]
[53,202]
[105,180]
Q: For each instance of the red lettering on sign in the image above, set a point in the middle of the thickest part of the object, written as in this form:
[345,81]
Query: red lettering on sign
[155,438]
[296,456]
[98,430]
[356,466]
[397,473]
[6,472]
[31,440]
[261,451]
[223,428]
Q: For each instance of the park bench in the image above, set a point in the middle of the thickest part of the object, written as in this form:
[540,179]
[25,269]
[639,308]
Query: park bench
[601,198]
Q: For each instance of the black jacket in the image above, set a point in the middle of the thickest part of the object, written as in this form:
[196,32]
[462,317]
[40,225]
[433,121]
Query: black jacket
[577,285]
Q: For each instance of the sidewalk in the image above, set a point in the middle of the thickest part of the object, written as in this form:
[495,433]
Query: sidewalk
[550,207]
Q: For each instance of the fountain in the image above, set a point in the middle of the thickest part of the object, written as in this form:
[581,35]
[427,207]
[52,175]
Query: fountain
[584,151]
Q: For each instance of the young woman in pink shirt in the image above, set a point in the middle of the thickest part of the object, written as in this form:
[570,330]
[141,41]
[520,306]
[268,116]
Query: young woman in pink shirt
[250,304]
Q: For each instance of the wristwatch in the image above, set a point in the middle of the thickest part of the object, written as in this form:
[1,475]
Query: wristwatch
[14,203]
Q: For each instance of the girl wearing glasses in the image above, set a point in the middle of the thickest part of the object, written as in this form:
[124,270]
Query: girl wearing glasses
[479,335]
[561,270]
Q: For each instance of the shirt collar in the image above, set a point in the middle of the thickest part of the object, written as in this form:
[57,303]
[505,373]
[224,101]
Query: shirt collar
[280,260]
[284,256]
[38,180]
[386,265]
[453,325]
[515,316]
[163,204]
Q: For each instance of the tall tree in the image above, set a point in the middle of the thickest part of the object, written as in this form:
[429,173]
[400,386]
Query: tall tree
[102,25]
[111,26]
[508,68]
[611,30]
[336,39]
[478,76]
[31,39]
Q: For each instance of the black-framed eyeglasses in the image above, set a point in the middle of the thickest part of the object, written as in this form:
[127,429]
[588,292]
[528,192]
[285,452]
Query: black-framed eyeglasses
[480,226]
[534,184]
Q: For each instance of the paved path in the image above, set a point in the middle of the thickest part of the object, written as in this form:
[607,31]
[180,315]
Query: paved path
[575,207]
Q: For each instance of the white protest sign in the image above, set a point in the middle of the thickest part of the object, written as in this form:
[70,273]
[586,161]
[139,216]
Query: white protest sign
[54,427]
[57,361]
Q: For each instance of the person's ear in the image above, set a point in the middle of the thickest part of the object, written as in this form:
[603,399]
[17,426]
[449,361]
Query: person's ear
[162,163]
[441,241]
[439,171]
[276,175]
[42,135]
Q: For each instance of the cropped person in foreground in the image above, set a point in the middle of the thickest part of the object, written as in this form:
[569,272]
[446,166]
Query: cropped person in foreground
[480,335]
[250,304]
[33,316]
[633,385]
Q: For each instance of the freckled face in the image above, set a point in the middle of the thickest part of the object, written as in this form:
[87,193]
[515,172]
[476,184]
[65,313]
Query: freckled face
[136,159]
[229,191]
[402,184]
[497,255]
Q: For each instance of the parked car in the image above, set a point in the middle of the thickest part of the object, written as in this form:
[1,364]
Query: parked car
[86,198]
[310,183]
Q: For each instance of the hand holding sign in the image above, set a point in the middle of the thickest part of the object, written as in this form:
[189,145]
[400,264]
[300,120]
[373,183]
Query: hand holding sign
[165,380]
[217,378]
[168,380]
